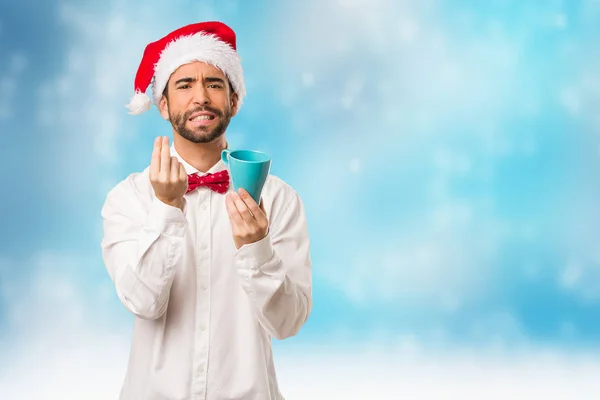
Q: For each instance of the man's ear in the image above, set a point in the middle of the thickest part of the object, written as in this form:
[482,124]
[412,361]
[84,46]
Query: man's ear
[164,107]
[234,104]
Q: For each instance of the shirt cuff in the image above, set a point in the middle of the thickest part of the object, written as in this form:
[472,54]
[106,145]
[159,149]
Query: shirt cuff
[257,254]
[167,219]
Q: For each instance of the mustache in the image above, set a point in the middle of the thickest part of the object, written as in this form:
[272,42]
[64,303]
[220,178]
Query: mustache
[215,111]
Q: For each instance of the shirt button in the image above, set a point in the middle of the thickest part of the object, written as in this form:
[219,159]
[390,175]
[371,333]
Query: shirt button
[180,224]
[204,207]
[204,286]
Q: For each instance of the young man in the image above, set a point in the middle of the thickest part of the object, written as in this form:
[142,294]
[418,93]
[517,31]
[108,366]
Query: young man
[209,275]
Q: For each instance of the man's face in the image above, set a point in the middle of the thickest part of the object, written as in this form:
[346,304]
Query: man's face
[199,102]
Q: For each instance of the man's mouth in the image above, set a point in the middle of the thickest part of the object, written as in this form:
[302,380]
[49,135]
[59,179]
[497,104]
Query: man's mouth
[202,116]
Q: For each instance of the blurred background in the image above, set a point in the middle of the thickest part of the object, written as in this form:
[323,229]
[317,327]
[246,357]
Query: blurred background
[455,236]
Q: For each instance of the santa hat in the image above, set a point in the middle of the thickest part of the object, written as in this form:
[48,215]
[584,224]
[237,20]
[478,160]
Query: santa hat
[211,42]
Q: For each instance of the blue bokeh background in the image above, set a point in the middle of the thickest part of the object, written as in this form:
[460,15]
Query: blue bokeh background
[448,154]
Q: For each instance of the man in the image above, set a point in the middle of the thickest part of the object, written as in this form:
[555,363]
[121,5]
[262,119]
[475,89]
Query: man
[209,275]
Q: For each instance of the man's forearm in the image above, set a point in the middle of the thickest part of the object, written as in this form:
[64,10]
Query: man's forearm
[141,257]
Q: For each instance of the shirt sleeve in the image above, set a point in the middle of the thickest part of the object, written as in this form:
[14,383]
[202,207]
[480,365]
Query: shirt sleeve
[141,248]
[276,273]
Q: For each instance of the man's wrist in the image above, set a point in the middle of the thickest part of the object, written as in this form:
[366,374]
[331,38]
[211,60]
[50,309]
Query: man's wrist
[177,203]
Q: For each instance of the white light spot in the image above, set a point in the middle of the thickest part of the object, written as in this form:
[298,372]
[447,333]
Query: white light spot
[529,147]
[17,63]
[560,21]
[571,101]
[7,86]
[531,107]
[407,344]
[355,165]
[568,329]
[450,303]
[450,76]
[408,31]
[349,3]
[64,86]
[5,112]
[347,102]
[308,79]
[531,270]
[528,232]
[571,275]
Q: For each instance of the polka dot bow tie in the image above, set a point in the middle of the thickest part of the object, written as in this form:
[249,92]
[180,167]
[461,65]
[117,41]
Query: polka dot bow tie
[218,182]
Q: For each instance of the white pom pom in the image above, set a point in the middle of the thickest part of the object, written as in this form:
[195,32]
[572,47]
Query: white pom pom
[139,103]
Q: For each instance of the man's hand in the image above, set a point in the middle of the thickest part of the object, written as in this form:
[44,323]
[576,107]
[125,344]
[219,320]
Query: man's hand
[167,175]
[248,221]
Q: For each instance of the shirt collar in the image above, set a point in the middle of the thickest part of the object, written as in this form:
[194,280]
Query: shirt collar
[189,169]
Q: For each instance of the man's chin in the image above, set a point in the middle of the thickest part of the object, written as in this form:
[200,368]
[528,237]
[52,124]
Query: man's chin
[200,135]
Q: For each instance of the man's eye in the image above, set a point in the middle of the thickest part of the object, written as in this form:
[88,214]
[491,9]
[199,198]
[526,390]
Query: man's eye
[215,86]
[184,87]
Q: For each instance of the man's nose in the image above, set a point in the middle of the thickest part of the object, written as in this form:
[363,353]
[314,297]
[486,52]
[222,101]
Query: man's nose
[201,95]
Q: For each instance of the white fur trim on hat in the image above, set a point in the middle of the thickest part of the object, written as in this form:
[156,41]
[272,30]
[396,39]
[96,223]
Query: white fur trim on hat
[139,103]
[198,47]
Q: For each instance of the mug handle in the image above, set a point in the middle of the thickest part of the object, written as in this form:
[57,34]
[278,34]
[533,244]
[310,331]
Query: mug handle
[225,156]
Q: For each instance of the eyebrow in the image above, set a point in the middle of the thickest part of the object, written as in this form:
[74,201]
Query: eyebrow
[213,79]
[210,79]
[185,80]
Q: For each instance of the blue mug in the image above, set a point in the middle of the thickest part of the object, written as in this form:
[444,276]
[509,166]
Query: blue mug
[248,169]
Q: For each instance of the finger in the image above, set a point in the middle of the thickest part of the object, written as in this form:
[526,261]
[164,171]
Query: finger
[234,215]
[165,158]
[155,161]
[254,208]
[182,173]
[243,209]
[174,169]
[262,208]
[264,219]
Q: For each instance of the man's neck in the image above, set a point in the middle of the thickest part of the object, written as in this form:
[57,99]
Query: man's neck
[202,156]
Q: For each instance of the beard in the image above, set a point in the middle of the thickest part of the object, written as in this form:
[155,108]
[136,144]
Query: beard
[201,134]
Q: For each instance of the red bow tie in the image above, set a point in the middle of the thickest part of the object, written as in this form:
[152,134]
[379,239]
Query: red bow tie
[218,182]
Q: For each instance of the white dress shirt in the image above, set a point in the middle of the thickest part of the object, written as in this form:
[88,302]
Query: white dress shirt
[204,312]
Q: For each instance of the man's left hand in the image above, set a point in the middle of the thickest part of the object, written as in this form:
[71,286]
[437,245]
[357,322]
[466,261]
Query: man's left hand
[248,220]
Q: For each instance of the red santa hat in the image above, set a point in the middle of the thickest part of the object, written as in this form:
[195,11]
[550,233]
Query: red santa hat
[211,42]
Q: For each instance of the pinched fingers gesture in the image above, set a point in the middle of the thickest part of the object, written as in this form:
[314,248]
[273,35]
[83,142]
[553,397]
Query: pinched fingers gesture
[167,175]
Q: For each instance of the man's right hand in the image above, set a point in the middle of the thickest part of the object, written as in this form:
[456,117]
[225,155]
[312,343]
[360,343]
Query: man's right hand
[167,175]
